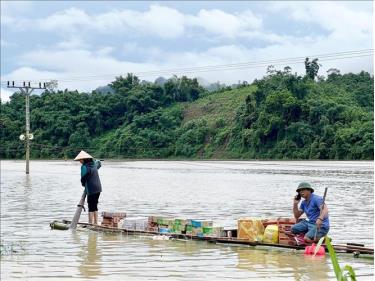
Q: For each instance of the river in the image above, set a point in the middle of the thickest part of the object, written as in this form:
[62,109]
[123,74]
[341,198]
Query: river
[219,190]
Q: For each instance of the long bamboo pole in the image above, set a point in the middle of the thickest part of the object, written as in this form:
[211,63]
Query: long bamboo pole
[80,206]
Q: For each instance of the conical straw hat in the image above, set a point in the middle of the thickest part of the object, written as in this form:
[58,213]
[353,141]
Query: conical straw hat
[83,155]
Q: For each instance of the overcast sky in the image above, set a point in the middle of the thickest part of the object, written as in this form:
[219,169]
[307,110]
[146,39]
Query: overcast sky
[87,44]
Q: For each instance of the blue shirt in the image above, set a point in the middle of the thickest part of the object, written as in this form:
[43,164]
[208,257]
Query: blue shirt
[311,208]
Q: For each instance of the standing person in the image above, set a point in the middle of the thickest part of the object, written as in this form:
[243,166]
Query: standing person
[316,225]
[91,181]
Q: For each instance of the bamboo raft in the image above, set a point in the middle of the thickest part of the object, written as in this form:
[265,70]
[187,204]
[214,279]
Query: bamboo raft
[358,250]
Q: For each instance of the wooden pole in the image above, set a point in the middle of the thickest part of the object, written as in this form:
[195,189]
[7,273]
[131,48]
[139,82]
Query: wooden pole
[73,224]
[27,98]
[321,209]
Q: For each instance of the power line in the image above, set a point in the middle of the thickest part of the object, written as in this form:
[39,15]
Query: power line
[233,66]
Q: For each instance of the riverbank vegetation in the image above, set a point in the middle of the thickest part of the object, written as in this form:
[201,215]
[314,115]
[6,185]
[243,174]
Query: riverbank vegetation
[281,116]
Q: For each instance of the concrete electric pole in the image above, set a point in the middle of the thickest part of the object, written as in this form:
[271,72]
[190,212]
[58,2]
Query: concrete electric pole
[26,89]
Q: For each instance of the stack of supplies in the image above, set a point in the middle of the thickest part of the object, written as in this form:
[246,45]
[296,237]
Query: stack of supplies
[152,224]
[251,229]
[285,235]
[112,219]
[136,224]
[271,234]
[165,225]
[179,226]
[196,227]
[213,231]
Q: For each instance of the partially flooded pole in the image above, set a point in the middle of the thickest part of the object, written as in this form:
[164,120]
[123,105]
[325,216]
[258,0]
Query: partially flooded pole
[26,89]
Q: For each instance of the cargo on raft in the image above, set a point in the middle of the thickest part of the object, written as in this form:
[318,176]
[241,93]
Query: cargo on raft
[250,231]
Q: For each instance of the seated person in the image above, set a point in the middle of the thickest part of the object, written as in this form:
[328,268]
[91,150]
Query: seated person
[317,223]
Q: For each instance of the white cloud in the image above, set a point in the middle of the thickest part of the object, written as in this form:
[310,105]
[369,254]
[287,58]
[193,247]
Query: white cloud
[221,23]
[74,42]
[13,11]
[85,70]
[158,21]
[5,94]
[169,23]
[30,74]
[337,17]
[163,21]
[105,51]
[69,20]
[79,65]
[75,69]
[150,53]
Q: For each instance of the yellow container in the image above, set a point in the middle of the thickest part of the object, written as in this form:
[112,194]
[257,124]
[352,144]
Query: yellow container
[271,234]
[251,229]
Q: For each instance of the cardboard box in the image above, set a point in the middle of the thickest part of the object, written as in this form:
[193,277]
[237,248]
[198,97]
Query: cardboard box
[197,231]
[120,215]
[181,222]
[215,231]
[152,228]
[267,222]
[164,230]
[287,241]
[251,229]
[162,221]
[177,228]
[153,219]
[189,229]
[201,223]
[136,223]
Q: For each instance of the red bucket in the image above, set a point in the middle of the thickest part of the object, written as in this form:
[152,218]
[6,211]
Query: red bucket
[309,250]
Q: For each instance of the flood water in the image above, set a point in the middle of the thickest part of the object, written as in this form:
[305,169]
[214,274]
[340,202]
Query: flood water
[219,190]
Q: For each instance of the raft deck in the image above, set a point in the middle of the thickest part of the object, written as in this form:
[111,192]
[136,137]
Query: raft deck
[356,249]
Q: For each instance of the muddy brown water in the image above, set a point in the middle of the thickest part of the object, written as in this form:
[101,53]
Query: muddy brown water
[219,190]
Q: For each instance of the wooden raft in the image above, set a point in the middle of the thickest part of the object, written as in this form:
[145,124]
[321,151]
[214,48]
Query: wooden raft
[356,249]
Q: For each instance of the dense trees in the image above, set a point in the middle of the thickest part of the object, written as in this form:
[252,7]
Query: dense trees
[282,116]
[130,117]
[312,68]
[291,117]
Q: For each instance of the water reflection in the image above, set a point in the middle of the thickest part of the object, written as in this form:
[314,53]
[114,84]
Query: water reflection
[178,246]
[284,264]
[27,193]
[90,255]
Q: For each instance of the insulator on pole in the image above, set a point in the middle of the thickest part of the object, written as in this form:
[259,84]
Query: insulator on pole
[13,83]
[8,83]
[44,85]
[40,85]
[29,84]
[24,83]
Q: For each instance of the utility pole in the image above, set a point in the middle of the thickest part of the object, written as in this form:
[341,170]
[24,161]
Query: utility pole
[26,89]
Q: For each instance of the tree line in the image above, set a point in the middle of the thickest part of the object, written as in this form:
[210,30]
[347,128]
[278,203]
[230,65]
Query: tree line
[284,116]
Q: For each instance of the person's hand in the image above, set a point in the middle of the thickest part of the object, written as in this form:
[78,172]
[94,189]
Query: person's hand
[318,222]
